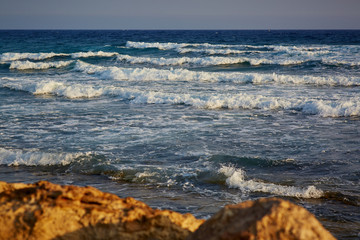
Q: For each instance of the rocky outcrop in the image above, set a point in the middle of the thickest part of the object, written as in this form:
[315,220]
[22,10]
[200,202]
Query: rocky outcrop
[48,211]
[262,219]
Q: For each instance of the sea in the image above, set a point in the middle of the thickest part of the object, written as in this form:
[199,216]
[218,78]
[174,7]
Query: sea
[188,120]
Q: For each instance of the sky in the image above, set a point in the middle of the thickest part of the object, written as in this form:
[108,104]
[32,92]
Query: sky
[179,14]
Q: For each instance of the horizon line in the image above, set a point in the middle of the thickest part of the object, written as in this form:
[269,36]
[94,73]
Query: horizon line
[178,29]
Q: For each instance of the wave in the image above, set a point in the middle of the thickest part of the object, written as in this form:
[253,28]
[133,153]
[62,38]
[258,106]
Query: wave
[323,49]
[216,51]
[205,61]
[171,45]
[62,89]
[189,177]
[153,74]
[93,54]
[235,178]
[8,57]
[161,46]
[23,65]
[297,55]
[330,61]
[324,108]
[32,56]
[267,54]
[14,157]
[265,49]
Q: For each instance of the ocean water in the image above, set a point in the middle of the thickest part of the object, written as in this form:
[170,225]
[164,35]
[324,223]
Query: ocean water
[188,120]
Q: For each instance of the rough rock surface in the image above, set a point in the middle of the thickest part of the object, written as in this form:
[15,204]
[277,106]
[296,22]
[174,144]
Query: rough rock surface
[262,219]
[48,211]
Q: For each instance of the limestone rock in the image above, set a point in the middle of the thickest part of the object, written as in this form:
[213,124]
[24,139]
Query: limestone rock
[48,211]
[262,219]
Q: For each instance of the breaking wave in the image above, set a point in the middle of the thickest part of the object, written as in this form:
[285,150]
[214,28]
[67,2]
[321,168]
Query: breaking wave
[264,54]
[205,61]
[23,65]
[55,88]
[8,57]
[14,157]
[93,54]
[236,178]
[171,45]
[31,56]
[153,74]
[324,108]
[294,56]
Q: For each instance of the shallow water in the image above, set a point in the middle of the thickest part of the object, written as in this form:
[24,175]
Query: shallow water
[188,120]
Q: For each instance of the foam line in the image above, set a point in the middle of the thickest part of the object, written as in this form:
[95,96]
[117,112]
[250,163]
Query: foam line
[178,74]
[324,108]
[204,61]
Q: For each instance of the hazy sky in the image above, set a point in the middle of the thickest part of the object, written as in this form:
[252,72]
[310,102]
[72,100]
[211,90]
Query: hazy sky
[179,14]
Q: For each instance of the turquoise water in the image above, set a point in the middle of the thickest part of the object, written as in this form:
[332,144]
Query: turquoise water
[188,120]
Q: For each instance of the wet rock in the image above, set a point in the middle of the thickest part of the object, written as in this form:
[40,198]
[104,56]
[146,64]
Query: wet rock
[262,219]
[48,211]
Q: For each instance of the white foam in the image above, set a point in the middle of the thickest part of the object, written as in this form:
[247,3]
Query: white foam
[172,45]
[145,174]
[23,65]
[332,61]
[162,46]
[32,56]
[204,61]
[153,74]
[236,179]
[10,56]
[93,54]
[14,157]
[340,108]
[215,100]
[268,54]
[56,88]
[216,51]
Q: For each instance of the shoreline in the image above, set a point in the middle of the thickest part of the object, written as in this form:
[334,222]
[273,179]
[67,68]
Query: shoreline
[50,211]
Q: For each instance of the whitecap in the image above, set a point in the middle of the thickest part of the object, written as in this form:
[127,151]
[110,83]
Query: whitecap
[179,74]
[93,54]
[236,178]
[23,65]
[15,157]
[325,108]
[55,88]
[9,56]
[205,61]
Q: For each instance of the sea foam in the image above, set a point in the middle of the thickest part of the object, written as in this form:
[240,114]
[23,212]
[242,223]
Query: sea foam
[216,101]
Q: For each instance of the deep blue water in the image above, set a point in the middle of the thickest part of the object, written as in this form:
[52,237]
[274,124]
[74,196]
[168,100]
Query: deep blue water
[188,120]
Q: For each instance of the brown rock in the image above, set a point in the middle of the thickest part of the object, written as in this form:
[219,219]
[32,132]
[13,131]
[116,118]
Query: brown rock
[262,219]
[48,211]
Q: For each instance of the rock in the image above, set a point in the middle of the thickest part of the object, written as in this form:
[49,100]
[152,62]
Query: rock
[262,219]
[48,211]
